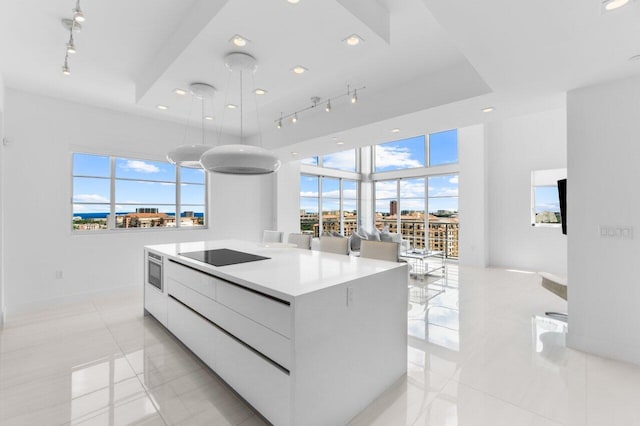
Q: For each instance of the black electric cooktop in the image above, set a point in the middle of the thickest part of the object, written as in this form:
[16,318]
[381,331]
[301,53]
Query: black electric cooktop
[222,257]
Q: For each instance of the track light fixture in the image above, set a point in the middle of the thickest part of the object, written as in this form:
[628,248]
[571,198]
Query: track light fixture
[72,25]
[316,100]
[78,16]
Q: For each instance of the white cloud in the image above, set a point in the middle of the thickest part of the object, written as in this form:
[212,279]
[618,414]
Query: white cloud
[308,193]
[90,208]
[343,160]
[396,157]
[444,192]
[454,179]
[90,198]
[140,166]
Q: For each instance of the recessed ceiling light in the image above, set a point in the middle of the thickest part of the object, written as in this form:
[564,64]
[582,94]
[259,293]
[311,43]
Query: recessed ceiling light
[239,41]
[294,153]
[299,69]
[180,92]
[162,107]
[353,40]
[260,92]
[232,106]
[396,130]
[294,1]
[339,143]
[208,117]
[613,4]
[488,109]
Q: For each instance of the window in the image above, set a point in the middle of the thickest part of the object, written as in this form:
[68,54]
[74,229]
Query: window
[443,214]
[412,208]
[443,148]
[401,204]
[309,202]
[343,160]
[402,154]
[545,200]
[334,209]
[110,192]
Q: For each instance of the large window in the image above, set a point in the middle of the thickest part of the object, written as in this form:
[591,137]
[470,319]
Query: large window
[332,209]
[400,205]
[113,192]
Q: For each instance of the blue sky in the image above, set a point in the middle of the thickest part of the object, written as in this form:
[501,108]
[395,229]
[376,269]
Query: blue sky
[143,192]
[547,199]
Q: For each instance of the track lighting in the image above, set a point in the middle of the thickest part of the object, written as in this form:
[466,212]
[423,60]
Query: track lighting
[65,68]
[71,47]
[317,101]
[78,16]
[72,25]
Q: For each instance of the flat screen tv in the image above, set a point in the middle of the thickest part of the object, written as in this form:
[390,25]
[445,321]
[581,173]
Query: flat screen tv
[562,194]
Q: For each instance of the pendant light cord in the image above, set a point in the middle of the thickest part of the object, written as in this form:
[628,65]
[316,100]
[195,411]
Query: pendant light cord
[224,109]
[203,120]
[255,97]
[186,128]
[241,109]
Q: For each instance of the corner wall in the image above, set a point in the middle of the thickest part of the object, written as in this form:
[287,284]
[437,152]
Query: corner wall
[472,155]
[37,209]
[603,175]
[516,147]
[2,304]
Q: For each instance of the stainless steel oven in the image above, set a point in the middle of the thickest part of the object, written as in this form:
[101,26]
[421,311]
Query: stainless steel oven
[154,270]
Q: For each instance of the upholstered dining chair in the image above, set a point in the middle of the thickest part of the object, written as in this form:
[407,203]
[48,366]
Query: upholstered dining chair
[380,250]
[334,245]
[272,236]
[303,241]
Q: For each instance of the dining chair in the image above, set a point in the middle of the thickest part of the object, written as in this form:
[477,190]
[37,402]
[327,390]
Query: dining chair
[272,236]
[336,245]
[379,250]
[303,241]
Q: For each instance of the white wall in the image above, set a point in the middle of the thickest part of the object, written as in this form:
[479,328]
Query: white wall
[37,193]
[2,307]
[473,194]
[603,177]
[516,147]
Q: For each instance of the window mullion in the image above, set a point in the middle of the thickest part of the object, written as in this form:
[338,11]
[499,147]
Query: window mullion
[111,222]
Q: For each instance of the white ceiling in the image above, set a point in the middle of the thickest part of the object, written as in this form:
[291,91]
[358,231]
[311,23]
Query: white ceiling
[427,64]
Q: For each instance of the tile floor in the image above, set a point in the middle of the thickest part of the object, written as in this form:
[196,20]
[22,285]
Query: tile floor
[479,354]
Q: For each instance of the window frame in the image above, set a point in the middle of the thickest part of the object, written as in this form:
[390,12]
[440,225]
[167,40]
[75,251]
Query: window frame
[111,218]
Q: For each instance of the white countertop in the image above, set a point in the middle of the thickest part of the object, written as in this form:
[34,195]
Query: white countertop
[290,272]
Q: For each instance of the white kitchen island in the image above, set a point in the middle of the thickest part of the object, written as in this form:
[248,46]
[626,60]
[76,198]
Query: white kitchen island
[307,338]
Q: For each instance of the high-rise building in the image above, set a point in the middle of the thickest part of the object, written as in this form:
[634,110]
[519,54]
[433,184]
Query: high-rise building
[393,207]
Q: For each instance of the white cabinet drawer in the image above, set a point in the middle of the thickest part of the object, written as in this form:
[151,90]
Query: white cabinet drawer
[155,302]
[199,281]
[264,340]
[266,387]
[272,313]
[195,332]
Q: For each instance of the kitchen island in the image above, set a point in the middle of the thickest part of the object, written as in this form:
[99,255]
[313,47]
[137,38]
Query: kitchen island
[305,337]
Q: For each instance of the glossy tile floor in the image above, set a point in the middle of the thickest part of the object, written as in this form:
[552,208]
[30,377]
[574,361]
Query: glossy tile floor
[479,354]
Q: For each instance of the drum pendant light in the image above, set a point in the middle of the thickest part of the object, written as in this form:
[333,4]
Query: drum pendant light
[189,155]
[239,159]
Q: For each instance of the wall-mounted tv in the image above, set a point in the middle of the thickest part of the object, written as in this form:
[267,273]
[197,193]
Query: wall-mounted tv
[562,194]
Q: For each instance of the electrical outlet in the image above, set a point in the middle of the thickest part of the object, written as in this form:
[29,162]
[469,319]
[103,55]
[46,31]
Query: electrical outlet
[58,275]
[349,296]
